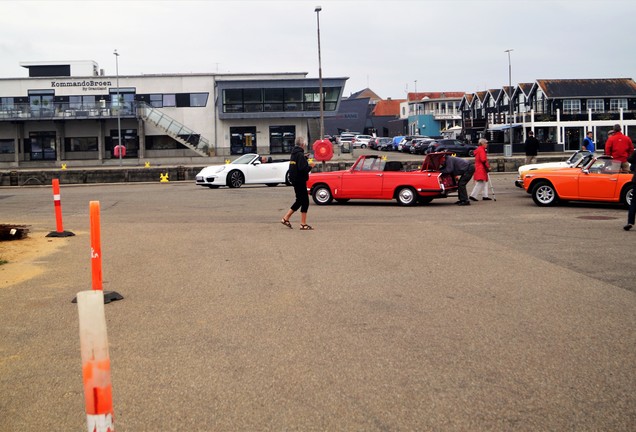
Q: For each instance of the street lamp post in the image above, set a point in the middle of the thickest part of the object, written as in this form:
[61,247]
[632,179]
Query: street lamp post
[322,114]
[118,108]
[509,99]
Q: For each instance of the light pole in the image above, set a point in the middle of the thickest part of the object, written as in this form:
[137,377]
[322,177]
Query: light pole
[322,114]
[509,99]
[118,108]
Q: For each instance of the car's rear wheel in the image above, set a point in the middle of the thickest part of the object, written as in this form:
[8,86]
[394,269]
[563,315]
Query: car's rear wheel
[627,195]
[363,146]
[287,179]
[544,194]
[406,196]
[322,195]
[235,179]
[471,153]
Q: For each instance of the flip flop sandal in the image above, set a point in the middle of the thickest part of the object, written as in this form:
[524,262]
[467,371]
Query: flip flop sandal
[286,223]
[305,227]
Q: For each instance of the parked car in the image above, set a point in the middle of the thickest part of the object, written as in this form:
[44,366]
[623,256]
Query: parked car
[599,180]
[385,144]
[457,147]
[247,169]
[419,145]
[373,177]
[405,144]
[360,141]
[577,158]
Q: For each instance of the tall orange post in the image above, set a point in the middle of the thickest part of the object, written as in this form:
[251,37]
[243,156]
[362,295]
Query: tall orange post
[96,246]
[96,256]
[57,202]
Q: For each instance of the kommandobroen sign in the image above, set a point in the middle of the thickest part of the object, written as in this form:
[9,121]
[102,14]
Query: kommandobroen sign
[85,85]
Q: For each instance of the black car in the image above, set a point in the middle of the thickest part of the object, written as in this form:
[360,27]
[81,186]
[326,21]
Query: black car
[454,146]
[420,145]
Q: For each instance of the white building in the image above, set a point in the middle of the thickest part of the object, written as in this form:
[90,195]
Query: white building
[54,116]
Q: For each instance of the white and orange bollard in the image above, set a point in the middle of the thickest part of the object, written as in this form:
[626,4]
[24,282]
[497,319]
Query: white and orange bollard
[57,202]
[98,393]
[96,256]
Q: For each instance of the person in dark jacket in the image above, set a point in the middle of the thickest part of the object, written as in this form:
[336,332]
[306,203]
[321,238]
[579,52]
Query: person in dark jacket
[532,148]
[631,213]
[299,169]
[459,167]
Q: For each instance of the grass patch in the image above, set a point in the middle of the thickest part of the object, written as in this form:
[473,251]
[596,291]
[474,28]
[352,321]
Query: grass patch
[3,261]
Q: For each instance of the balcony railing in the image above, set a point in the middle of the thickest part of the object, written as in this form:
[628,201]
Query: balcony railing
[65,110]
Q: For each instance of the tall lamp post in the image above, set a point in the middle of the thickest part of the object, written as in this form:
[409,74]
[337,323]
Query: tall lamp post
[322,114]
[509,99]
[118,108]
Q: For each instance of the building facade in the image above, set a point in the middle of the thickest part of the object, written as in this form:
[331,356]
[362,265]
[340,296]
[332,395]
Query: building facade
[559,112]
[54,117]
[432,113]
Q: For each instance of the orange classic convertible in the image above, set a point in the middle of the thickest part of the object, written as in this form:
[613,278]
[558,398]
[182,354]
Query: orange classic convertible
[598,180]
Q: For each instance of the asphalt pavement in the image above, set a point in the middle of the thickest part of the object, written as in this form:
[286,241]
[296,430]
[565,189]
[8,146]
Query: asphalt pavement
[497,316]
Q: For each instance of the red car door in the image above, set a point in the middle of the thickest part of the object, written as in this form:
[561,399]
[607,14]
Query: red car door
[364,180]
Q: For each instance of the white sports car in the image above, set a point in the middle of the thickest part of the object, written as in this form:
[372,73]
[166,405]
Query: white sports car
[575,159]
[247,169]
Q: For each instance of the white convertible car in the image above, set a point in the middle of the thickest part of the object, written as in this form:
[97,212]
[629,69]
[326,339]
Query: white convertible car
[577,158]
[247,169]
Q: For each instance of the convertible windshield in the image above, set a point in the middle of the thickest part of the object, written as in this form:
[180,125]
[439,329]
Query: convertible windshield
[245,159]
[578,156]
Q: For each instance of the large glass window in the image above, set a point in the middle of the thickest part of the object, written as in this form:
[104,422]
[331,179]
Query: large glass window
[242,140]
[80,144]
[617,104]
[6,104]
[281,139]
[41,145]
[571,106]
[7,146]
[198,99]
[156,100]
[253,100]
[279,99]
[596,105]
[169,100]
[273,99]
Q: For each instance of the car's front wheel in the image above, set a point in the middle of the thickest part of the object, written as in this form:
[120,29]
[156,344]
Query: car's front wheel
[628,194]
[235,179]
[544,194]
[322,195]
[471,153]
[406,196]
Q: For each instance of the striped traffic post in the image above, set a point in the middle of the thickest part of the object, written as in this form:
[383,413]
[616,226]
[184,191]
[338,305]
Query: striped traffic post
[57,202]
[96,255]
[98,393]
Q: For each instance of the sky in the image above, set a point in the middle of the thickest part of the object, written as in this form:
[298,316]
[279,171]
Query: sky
[390,46]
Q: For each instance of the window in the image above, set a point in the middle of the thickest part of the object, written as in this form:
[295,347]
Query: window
[80,144]
[6,146]
[617,104]
[571,106]
[198,99]
[6,103]
[169,100]
[596,105]
[156,100]
[279,99]
[281,139]
[242,140]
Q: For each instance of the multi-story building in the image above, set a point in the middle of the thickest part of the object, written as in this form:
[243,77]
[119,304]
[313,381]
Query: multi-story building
[432,113]
[71,112]
[559,112]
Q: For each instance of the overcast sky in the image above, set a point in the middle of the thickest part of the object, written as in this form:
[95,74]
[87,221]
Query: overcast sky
[390,46]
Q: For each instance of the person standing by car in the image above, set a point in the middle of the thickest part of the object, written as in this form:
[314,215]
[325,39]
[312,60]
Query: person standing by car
[532,148]
[459,167]
[588,142]
[619,147]
[299,169]
[482,168]
[631,213]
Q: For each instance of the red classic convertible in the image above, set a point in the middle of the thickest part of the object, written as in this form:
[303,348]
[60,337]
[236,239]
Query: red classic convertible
[373,177]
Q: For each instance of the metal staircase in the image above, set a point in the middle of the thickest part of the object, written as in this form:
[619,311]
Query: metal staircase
[173,128]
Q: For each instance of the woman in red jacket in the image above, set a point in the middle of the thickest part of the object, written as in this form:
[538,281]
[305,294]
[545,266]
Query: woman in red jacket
[482,168]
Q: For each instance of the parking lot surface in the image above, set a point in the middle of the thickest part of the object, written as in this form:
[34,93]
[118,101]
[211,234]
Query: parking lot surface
[496,316]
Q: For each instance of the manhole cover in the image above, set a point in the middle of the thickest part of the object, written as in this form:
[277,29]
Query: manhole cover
[597,217]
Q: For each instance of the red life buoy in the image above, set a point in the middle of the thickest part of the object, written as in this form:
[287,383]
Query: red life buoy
[323,150]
